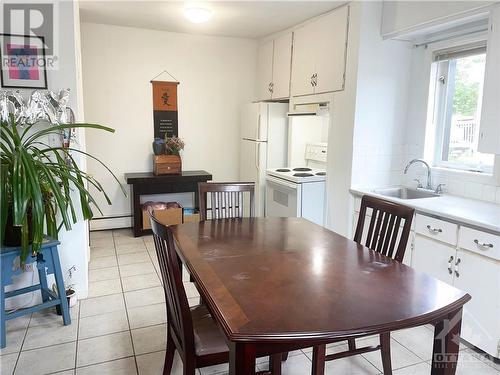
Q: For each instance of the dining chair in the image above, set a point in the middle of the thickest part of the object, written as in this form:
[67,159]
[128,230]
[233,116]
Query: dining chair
[387,233]
[227,199]
[190,330]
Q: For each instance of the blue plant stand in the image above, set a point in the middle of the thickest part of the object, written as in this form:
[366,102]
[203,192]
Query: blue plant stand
[47,262]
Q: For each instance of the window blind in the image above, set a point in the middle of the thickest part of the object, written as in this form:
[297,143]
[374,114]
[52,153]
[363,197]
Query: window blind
[459,52]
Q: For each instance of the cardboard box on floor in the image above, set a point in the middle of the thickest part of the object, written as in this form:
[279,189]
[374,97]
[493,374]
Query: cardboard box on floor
[170,216]
[192,218]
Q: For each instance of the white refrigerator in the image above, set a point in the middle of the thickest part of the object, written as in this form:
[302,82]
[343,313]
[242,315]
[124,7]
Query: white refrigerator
[263,145]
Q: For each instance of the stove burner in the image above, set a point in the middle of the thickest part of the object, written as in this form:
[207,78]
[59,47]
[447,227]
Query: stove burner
[321,174]
[282,170]
[303,174]
[302,169]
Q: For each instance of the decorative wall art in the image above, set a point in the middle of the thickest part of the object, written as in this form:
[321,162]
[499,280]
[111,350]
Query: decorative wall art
[22,60]
[165,115]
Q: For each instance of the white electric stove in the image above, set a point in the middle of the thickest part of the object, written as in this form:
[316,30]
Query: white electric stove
[299,191]
[298,175]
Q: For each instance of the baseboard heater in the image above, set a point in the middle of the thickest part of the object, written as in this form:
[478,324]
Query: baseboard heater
[111,222]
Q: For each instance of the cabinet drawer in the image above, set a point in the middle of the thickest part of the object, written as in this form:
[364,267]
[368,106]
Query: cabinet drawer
[438,229]
[483,243]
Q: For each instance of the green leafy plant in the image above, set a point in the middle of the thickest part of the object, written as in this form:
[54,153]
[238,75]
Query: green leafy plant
[37,181]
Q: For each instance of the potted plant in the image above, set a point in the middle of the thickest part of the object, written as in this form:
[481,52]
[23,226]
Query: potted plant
[70,291]
[37,181]
[173,145]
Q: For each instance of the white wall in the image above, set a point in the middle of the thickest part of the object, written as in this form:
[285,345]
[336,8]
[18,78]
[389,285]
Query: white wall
[74,244]
[366,137]
[381,103]
[216,77]
[340,135]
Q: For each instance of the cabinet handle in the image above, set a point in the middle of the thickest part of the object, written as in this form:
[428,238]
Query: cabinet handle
[312,80]
[457,273]
[483,244]
[450,265]
[434,230]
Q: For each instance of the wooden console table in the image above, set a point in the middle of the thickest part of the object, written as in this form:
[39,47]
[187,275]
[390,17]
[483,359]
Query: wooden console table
[147,183]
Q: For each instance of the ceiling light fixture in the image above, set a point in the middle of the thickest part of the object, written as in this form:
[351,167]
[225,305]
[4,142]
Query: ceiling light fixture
[198,14]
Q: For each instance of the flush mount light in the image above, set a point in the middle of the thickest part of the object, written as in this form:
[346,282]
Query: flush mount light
[198,14]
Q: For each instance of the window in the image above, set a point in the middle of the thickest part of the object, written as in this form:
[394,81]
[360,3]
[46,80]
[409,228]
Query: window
[457,85]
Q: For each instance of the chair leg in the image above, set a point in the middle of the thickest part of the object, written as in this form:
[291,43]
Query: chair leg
[318,361]
[3,325]
[284,356]
[169,354]
[275,364]
[352,344]
[385,351]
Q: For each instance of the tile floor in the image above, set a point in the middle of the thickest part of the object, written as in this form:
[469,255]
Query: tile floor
[120,328]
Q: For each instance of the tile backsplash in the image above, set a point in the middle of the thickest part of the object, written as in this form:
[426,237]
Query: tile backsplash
[460,183]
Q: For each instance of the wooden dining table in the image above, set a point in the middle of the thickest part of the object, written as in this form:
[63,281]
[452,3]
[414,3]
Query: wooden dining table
[275,285]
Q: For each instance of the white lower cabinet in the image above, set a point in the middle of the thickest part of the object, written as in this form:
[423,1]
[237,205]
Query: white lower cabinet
[434,258]
[480,277]
[466,258]
[471,272]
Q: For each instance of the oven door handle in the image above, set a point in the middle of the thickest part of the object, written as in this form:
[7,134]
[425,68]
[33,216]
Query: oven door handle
[281,182]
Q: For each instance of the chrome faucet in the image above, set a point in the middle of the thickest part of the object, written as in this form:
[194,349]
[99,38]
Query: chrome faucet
[429,184]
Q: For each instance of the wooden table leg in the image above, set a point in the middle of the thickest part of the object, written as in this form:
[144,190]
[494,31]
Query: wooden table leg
[446,344]
[241,359]
[136,211]
[318,365]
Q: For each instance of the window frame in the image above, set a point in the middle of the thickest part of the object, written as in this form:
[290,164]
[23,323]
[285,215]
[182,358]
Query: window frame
[440,96]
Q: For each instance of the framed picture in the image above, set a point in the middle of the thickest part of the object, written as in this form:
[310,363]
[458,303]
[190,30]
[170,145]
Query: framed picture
[22,60]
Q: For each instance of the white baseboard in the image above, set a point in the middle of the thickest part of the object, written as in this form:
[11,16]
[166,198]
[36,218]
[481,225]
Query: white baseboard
[111,223]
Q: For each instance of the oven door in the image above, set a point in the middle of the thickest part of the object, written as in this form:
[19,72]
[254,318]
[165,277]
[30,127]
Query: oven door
[283,198]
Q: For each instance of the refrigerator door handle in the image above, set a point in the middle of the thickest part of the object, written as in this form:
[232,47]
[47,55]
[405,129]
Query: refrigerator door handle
[258,128]
[257,156]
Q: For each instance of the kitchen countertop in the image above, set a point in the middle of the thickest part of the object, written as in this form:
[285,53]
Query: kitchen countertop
[467,211]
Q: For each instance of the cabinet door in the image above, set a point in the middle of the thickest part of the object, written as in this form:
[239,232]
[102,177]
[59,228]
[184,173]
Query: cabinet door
[433,258]
[330,47]
[480,277]
[489,132]
[282,61]
[265,70]
[303,60]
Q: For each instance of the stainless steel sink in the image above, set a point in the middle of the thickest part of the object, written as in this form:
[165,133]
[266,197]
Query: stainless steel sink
[406,193]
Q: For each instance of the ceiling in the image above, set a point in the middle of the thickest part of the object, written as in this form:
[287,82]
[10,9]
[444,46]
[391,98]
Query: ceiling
[246,19]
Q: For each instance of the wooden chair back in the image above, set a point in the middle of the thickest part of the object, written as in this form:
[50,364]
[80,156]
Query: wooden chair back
[227,199]
[178,312]
[384,233]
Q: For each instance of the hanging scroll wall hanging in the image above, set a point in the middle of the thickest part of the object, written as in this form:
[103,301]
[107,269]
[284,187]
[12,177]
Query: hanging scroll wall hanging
[165,115]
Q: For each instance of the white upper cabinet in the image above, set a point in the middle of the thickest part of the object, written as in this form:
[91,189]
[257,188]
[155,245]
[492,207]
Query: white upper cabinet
[303,61]
[489,132]
[273,69]
[265,70]
[331,43]
[319,49]
[282,63]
